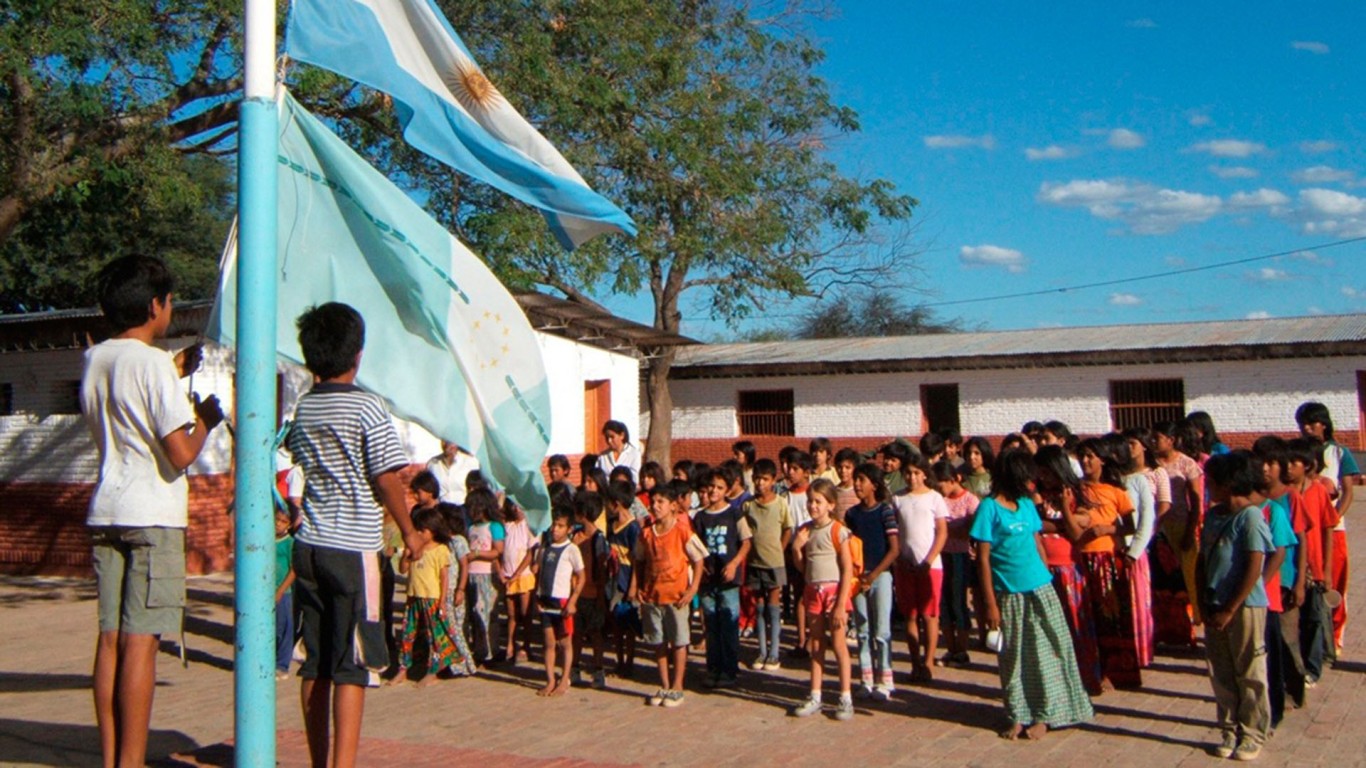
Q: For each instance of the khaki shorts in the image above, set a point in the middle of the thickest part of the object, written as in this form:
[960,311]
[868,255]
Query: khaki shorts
[666,624]
[140,577]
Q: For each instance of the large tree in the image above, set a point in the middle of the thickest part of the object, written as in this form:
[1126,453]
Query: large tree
[706,120]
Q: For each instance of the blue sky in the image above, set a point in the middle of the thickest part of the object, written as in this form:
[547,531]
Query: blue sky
[1053,145]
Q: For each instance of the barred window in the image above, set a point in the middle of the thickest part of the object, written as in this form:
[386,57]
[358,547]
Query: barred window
[766,412]
[1144,402]
[6,399]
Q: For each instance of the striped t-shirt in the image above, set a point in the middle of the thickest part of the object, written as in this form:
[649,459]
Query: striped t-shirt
[342,437]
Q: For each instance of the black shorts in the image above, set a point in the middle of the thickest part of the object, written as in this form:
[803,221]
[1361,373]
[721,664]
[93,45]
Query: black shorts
[337,593]
[765,579]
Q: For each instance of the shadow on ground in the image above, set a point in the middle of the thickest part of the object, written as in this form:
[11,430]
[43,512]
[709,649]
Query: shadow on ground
[64,744]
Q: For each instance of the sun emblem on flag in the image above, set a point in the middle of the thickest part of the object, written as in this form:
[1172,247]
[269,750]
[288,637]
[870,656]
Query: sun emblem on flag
[470,87]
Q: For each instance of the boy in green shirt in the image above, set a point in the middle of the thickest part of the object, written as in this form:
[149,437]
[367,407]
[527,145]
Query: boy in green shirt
[770,523]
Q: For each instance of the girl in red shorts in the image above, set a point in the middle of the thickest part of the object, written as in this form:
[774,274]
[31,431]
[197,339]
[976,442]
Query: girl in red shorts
[824,552]
[918,577]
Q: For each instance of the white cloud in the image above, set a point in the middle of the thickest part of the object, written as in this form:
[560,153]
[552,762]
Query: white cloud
[1317,147]
[1199,119]
[1312,257]
[1123,138]
[1262,198]
[1313,310]
[958,141]
[1145,209]
[1350,292]
[1312,46]
[1260,314]
[1330,212]
[1125,300]
[1144,23]
[1233,171]
[1230,148]
[1322,174]
[992,256]
[1174,261]
[1269,274]
[1050,152]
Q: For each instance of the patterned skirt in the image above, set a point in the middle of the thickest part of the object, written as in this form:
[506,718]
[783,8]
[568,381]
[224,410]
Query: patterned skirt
[422,624]
[1141,598]
[463,664]
[1070,586]
[1107,589]
[1039,678]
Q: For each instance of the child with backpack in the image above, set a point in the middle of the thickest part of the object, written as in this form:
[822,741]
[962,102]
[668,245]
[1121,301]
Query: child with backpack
[822,549]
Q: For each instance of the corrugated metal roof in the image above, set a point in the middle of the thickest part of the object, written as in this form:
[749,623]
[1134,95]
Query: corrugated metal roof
[1034,343]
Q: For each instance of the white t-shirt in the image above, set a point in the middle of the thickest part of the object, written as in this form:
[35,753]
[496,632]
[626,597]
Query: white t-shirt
[132,397]
[629,458]
[917,514]
[451,478]
[569,563]
[797,503]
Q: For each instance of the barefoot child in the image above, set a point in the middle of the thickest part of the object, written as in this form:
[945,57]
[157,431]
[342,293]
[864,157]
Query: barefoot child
[284,594]
[518,581]
[666,575]
[922,517]
[425,621]
[1041,686]
[559,581]
[822,550]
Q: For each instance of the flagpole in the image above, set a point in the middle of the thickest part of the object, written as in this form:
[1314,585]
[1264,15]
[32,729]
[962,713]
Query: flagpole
[257,138]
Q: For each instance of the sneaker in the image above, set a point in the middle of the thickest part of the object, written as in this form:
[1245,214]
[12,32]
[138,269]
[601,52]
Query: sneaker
[726,681]
[1226,747]
[807,708]
[657,698]
[772,664]
[884,692]
[575,677]
[758,664]
[281,674]
[747,632]
[1247,752]
[599,679]
[865,690]
[673,699]
[845,710]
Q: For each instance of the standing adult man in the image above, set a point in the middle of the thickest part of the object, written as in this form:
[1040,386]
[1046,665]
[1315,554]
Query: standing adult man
[451,466]
[620,452]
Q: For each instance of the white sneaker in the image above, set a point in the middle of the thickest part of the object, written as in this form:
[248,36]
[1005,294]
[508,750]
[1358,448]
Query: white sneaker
[673,699]
[807,708]
[657,698]
[884,692]
[845,710]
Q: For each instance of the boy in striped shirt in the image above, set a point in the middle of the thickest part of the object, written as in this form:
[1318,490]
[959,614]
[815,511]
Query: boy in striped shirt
[350,454]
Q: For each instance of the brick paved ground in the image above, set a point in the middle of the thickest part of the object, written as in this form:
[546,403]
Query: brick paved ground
[47,635]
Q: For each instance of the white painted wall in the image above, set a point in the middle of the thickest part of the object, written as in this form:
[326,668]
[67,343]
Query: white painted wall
[1240,396]
[37,444]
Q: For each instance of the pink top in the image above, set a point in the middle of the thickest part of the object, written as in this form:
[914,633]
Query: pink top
[961,507]
[516,541]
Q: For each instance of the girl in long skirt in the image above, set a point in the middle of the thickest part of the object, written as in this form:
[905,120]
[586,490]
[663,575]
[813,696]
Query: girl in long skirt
[1058,489]
[1039,680]
[1175,548]
[424,619]
[1150,491]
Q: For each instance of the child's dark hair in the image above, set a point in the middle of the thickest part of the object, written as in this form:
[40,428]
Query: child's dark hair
[983,447]
[846,454]
[821,444]
[1272,449]
[619,472]
[616,428]
[560,492]
[511,513]
[126,287]
[682,489]
[619,495]
[1011,442]
[651,470]
[802,459]
[685,466]
[931,444]
[1012,474]
[1305,451]
[1061,431]
[744,448]
[710,476]
[897,450]
[1106,451]
[733,471]
[667,491]
[425,481]
[588,506]
[475,480]
[944,471]
[600,480]
[558,460]
[1189,440]
[916,461]
[1053,460]
[563,512]
[822,487]
[1204,425]
[587,463]
[1145,439]
[874,474]
[331,336]
[786,453]
[1237,472]
[1031,429]
[1315,413]
[481,505]
[431,519]
[455,519]
[951,436]
[765,468]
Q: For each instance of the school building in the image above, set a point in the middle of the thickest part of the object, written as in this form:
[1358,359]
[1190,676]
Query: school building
[1250,375]
[48,463]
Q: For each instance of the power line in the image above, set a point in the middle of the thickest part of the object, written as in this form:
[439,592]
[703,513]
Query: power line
[1139,278]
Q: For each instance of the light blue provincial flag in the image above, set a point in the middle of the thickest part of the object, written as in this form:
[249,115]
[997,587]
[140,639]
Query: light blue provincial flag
[448,108]
[446,345]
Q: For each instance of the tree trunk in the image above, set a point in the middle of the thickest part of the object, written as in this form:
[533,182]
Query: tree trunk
[657,445]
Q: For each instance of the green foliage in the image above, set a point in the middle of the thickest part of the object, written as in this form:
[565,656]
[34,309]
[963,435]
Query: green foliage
[870,313]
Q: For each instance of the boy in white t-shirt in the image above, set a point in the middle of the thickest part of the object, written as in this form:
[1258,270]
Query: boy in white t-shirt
[559,581]
[147,433]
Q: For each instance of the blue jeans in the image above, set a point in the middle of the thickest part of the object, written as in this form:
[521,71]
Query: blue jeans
[721,610]
[284,631]
[873,621]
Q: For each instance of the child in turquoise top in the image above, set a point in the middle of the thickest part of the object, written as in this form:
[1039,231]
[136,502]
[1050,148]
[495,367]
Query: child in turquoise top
[284,595]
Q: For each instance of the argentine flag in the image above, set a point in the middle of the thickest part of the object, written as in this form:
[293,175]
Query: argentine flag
[448,108]
[446,345]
